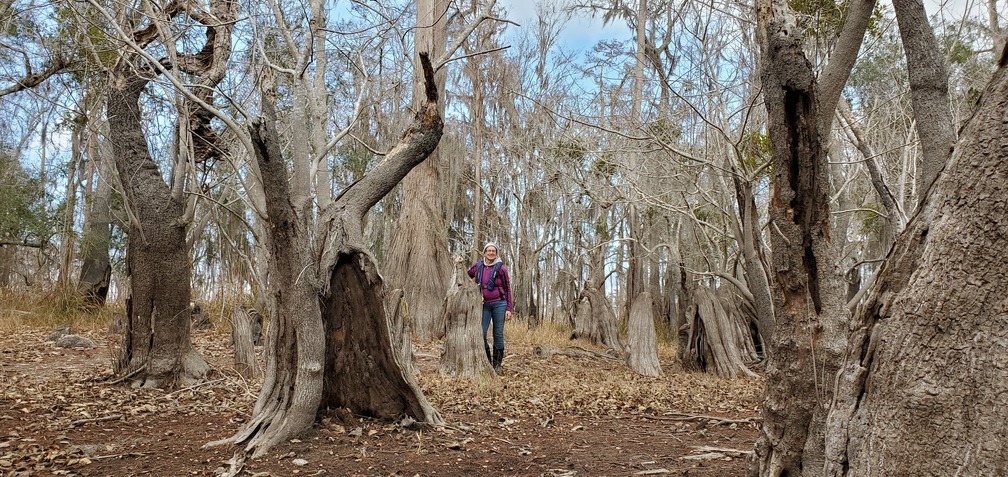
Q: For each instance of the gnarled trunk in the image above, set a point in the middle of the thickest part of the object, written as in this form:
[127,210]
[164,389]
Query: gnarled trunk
[719,338]
[596,321]
[330,342]
[156,349]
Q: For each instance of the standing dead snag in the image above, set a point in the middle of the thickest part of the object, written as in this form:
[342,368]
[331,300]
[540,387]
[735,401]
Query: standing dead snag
[595,319]
[244,334]
[330,343]
[719,339]
[464,354]
[642,344]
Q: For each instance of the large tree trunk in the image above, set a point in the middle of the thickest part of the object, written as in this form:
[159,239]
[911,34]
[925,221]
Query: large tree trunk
[595,319]
[807,345]
[330,342]
[719,339]
[642,344]
[465,351]
[924,388]
[418,258]
[156,350]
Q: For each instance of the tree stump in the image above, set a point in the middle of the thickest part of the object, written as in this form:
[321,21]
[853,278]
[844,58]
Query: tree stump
[596,320]
[244,333]
[719,339]
[642,344]
[464,354]
[400,329]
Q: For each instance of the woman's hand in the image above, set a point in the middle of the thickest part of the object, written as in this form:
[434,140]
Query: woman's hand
[507,315]
[458,259]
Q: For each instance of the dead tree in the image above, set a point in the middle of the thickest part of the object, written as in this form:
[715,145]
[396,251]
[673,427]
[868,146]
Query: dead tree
[244,334]
[464,352]
[329,343]
[596,321]
[642,344]
[719,338]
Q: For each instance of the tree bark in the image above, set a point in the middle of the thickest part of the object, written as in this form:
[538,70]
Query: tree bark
[157,351]
[395,308]
[96,270]
[244,334]
[642,343]
[805,351]
[924,387]
[464,353]
[596,321]
[418,254]
[330,343]
[719,339]
[928,91]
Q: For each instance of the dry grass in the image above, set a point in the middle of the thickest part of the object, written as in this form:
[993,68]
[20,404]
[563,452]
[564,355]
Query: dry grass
[55,309]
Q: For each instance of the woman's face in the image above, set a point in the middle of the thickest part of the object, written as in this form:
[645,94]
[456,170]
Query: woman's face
[490,253]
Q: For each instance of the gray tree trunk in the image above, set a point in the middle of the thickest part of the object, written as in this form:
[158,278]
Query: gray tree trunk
[928,91]
[96,270]
[464,354]
[807,345]
[244,334]
[418,256]
[924,387]
[642,344]
[719,339]
[156,348]
[596,321]
[395,307]
[330,341]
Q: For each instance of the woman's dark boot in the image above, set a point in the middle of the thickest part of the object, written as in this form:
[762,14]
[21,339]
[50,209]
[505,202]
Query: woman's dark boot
[498,356]
[486,347]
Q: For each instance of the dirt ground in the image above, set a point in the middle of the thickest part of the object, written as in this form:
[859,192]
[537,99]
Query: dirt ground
[546,416]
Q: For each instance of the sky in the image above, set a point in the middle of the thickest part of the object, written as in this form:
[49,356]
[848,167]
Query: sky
[584,32]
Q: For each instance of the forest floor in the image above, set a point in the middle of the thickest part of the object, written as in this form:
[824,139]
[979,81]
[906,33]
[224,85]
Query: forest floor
[545,416]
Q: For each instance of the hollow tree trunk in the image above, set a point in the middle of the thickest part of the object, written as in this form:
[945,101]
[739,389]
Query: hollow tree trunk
[924,387]
[718,337]
[330,343]
[156,350]
[642,344]
[810,329]
[464,354]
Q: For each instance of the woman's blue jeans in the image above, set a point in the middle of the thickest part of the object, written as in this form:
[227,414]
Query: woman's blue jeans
[494,311]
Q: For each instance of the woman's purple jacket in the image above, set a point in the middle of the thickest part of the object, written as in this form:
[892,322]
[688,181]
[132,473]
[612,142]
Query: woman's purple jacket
[502,284]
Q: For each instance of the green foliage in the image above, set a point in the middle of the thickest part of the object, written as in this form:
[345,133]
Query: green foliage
[604,167]
[22,214]
[756,151]
[574,150]
[871,219]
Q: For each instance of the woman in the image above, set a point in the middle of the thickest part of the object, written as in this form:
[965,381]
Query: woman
[495,284]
